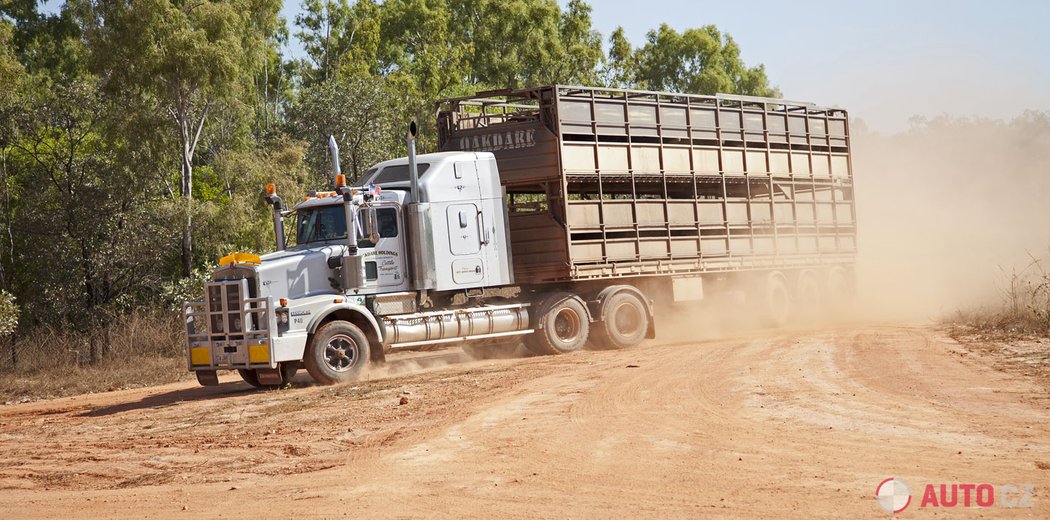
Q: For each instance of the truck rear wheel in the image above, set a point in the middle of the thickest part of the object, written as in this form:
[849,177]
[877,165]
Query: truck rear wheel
[561,327]
[337,353]
[624,322]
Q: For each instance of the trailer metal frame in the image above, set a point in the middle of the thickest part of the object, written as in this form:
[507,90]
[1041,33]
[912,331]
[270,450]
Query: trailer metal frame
[604,183]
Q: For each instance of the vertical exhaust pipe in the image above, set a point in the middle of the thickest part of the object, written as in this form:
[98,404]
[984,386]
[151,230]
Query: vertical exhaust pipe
[351,215]
[412,170]
[353,265]
[334,148]
[278,220]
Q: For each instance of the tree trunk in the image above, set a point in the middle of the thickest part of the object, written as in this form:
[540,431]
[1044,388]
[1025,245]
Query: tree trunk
[14,349]
[187,234]
[7,218]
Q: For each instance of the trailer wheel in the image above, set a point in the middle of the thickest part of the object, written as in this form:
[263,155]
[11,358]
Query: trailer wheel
[337,353]
[776,301]
[562,325]
[624,322]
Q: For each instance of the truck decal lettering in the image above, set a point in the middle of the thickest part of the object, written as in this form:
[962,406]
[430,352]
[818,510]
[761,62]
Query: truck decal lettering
[499,141]
[382,252]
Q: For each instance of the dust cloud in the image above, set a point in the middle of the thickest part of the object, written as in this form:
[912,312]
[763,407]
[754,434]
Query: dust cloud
[946,210]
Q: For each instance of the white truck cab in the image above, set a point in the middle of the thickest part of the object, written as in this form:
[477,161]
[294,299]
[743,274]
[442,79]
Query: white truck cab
[334,303]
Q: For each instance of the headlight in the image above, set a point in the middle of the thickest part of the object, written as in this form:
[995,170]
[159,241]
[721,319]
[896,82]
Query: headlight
[282,316]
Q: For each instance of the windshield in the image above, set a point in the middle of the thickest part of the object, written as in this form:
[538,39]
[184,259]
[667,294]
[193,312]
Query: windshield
[321,223]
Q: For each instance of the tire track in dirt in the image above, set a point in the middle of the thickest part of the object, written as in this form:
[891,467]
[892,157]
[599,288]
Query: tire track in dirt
[798,423]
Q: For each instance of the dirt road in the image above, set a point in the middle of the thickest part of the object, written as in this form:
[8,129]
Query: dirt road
[796,424]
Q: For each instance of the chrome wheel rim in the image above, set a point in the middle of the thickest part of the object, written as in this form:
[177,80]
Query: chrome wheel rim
[567,325]
[341,353]
[627,319]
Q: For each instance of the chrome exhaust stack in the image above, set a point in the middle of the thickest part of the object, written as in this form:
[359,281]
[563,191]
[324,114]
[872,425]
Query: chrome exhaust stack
[353,265]
[413,172]
[420,227]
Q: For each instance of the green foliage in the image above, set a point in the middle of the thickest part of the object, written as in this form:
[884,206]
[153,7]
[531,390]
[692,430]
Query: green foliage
[534,43]
[339,37]
[8,313]
[696,61]
[182,59]
[136,135]
[82,206]
[47,45]
[175,292]
[364,115]
[239,220]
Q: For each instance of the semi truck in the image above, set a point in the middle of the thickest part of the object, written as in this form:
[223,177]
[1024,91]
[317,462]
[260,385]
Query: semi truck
[556,216]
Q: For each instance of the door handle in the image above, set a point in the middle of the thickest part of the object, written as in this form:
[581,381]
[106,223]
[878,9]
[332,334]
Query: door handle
[484,232]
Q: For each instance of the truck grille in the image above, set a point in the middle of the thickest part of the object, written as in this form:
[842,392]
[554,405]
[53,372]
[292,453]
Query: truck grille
[226,310]
[229,313]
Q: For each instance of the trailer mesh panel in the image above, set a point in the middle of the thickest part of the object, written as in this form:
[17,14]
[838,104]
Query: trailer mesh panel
[606,182]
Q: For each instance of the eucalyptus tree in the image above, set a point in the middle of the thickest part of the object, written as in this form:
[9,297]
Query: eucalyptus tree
[696,61]
[183,59]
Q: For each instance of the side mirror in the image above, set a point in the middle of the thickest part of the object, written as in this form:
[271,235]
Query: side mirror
[371,224]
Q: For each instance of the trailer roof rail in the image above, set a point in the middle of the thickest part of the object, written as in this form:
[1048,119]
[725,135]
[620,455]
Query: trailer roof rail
[513,98]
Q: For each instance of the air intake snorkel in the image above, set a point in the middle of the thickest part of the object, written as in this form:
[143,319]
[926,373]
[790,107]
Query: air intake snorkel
[278,215]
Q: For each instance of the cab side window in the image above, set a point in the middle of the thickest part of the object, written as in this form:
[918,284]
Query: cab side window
[387,221]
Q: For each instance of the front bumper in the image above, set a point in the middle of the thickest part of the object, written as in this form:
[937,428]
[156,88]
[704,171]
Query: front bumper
[229,330]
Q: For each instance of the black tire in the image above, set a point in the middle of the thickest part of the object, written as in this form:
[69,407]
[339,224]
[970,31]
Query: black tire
[776,301]
[624,322]
[249,376]
[288,371]
[561,325]
[287,368]
[338,353]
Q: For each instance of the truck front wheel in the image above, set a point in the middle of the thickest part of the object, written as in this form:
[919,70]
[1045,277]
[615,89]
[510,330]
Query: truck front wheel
[337,353]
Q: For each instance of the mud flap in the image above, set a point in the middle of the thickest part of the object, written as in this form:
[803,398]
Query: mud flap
[207,377]
[269,376]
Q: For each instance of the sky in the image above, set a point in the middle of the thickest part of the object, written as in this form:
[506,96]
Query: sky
[884,61]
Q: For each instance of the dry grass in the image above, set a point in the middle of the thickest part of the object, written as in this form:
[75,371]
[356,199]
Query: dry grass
[1023,310]
[137,350]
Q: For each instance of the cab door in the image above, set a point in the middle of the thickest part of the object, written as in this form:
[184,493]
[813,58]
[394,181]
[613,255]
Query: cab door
[385,266]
